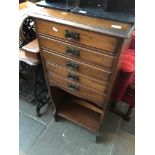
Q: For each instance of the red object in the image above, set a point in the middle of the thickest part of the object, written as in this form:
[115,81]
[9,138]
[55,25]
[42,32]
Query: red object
[132,43]
[124,79]
[129,96]
[128,61]
[125,87]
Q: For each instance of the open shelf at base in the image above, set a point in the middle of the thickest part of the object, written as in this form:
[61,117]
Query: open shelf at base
[79,111]
[80,115]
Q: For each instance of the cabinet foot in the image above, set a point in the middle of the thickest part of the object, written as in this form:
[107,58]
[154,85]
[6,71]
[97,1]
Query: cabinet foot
[98,138]
[56,117]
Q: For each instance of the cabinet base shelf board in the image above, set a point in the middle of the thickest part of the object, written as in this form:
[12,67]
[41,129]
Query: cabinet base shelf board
[80,115]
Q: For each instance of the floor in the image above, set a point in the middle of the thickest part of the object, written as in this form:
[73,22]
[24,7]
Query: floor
[43,136]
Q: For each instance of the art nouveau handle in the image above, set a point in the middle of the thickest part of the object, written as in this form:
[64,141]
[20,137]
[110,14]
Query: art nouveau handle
[73,77]
[72,51]
[72,35]
[72,65]
[73,87]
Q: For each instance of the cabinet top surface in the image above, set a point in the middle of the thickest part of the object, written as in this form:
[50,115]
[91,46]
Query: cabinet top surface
[89,23]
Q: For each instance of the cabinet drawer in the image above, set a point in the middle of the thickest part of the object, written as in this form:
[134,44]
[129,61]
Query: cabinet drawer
[77,52]
[75,88]
[90,83]
[76,35]
[78,66]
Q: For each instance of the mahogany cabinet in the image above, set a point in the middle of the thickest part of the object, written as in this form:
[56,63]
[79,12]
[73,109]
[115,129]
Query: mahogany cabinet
[81,58]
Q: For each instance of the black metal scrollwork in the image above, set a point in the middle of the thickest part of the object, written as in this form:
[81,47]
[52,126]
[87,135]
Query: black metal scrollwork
[72,76]
[73,87]
[72,51]
[72,35]
[72,65]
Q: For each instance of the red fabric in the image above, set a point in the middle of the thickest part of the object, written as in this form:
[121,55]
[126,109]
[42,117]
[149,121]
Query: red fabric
[124,79]
[129,96]
[125,87]
[132,43]
[128,61]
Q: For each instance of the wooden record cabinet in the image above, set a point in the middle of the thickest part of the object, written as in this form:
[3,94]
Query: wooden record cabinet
[81,58]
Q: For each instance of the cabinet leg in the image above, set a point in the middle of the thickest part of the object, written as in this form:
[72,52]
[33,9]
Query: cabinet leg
[99,138]
[34,73]
[38,107]
[56,117]
[127,117]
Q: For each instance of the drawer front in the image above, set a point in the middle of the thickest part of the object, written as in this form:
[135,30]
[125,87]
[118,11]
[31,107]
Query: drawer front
[77,89]
[80,67]
[98,86]
[78,53]
[79,36]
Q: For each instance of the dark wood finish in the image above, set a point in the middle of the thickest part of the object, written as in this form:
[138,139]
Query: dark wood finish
[87,55]
[83,67]
[93,62]
[87,23]
[94,22]
[98,86]
[77,94]
[77,88]
[87,105]
[80,115]
[104,42]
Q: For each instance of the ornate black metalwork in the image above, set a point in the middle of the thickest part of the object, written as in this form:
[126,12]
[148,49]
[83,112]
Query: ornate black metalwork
[45,99]
[40,93]
[73,87]
[72,35]
[27,30]
[72,65]
[72,76]
[42,97]
[72,51]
